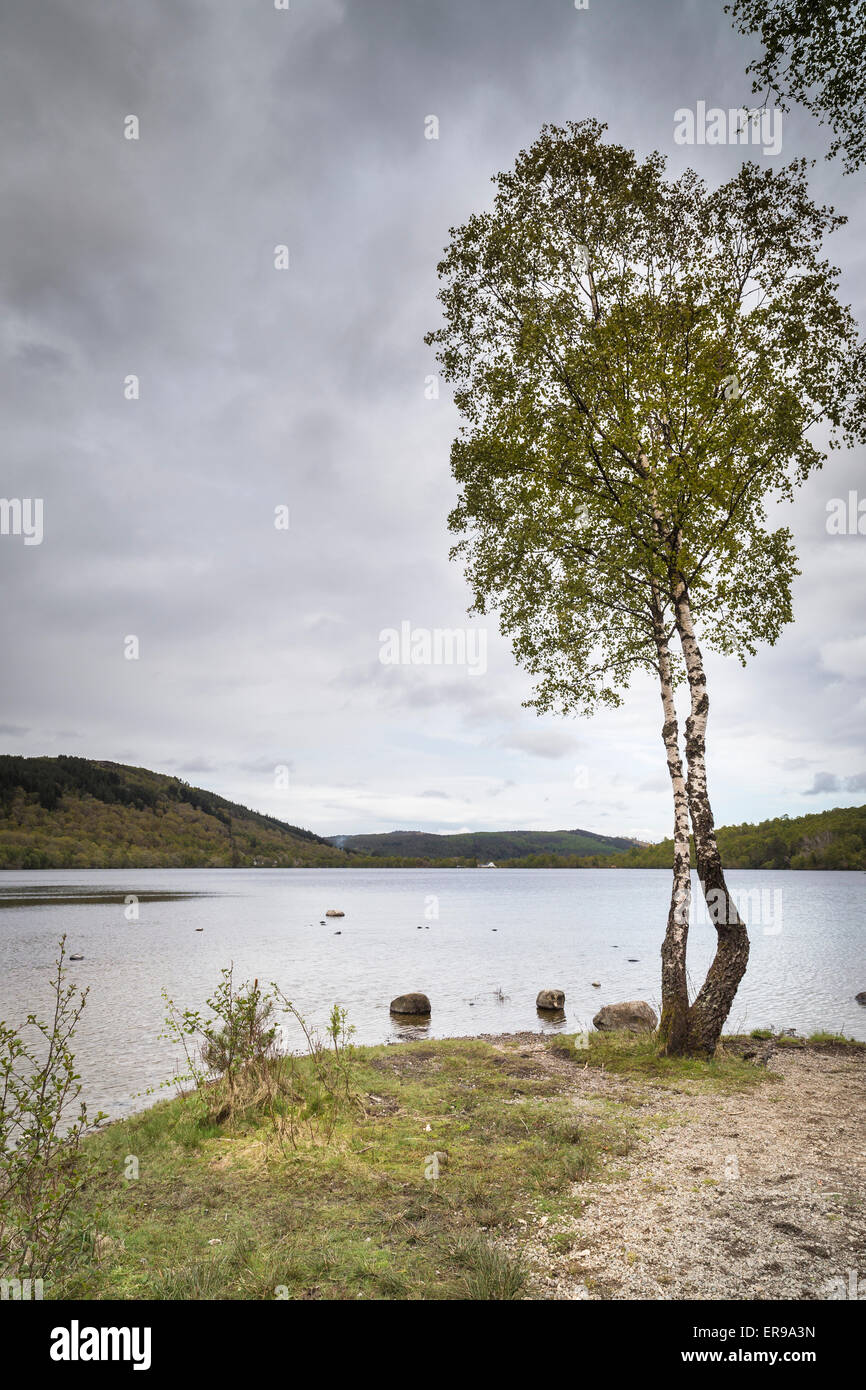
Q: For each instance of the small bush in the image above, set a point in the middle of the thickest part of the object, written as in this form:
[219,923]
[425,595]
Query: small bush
[238,1069]
[42,1167]
[231,1057]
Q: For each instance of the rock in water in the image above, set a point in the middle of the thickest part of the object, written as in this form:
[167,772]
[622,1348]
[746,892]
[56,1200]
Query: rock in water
[410,1004]
[550,999]
[634,1016]
[334,912]
[861,997]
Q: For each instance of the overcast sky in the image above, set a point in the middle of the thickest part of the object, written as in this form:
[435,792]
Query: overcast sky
[306,388]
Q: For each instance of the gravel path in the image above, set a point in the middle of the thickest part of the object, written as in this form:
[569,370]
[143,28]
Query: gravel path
[755,1194]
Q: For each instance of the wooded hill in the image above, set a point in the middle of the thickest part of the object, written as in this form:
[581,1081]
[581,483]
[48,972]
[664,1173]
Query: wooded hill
[74,813]
[484,845]
[824,840]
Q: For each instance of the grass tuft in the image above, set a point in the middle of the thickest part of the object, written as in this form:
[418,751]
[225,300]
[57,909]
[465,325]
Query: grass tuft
[490,1274]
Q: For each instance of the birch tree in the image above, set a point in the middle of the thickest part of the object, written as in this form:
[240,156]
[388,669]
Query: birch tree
[639,365]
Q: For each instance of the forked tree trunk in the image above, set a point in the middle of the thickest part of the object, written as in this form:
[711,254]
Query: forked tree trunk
[674,1022]
[713,1003]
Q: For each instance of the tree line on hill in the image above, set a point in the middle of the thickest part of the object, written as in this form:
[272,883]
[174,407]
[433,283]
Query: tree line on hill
[833,839]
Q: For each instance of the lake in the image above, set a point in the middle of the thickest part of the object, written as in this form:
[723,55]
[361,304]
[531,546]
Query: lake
[479,942]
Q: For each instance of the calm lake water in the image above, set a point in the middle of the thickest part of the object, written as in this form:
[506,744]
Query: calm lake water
[480,943]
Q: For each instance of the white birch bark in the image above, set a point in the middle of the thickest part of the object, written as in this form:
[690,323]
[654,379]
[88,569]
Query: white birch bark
[715,997]
[673,1025]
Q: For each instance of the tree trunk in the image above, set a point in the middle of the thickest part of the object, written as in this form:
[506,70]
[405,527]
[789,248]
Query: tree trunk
[713,1004]
[673,1026]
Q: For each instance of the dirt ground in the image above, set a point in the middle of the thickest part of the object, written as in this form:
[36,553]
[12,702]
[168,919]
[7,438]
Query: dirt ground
[756,1193]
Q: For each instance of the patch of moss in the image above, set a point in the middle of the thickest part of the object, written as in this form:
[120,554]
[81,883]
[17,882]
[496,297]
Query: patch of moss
[638,1055]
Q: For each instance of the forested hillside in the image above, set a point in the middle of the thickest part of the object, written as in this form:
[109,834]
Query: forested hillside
[824,840]
[75,813]
[484,845]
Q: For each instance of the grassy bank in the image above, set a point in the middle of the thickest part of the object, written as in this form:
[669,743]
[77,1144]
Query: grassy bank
[241,1210]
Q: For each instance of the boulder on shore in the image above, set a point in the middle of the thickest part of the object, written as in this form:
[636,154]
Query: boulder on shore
[334,912]
[410,1004]
[550,999]
[633,1016]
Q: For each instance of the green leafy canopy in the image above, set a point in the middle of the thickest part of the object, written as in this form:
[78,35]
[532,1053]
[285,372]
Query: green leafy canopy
[813,53]
[641,366]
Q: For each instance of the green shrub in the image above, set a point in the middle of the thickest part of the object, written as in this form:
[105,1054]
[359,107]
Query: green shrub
[42,1167]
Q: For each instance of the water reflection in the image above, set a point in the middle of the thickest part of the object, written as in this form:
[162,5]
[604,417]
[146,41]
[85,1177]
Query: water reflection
[408,1027]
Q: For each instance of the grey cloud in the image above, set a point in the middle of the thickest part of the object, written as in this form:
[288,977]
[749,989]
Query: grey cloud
[654,784]
[824,782]
[41,355]
[265,765]
[261,387]
[541,743]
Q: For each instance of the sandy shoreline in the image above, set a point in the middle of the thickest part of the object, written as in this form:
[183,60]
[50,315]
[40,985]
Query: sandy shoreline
[754,1194]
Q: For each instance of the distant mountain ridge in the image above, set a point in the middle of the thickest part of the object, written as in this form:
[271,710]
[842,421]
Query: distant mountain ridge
[484,845]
